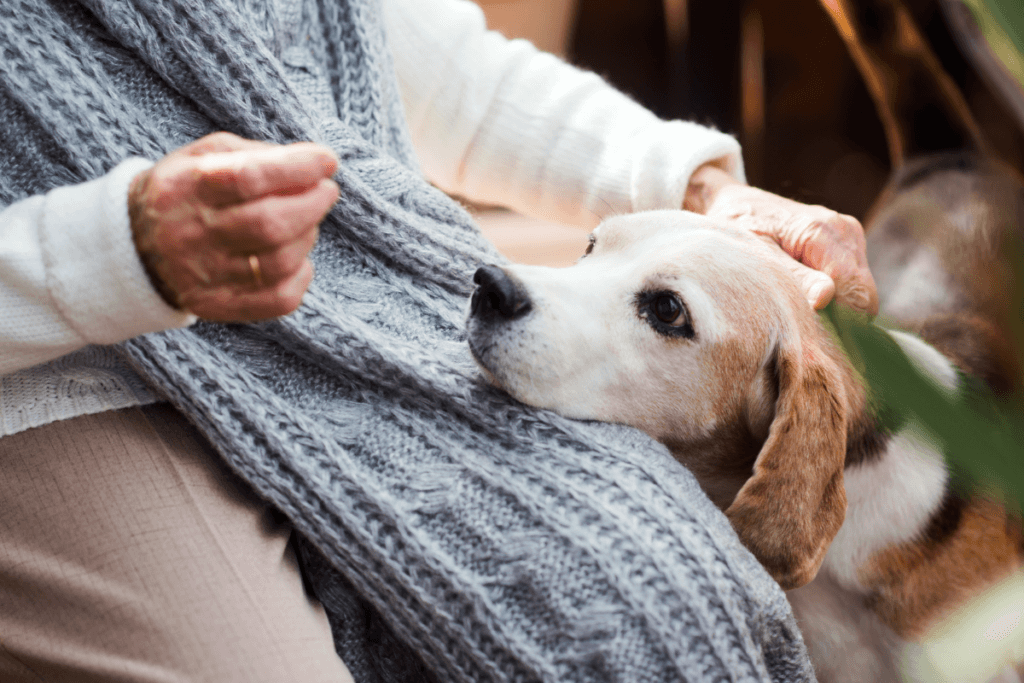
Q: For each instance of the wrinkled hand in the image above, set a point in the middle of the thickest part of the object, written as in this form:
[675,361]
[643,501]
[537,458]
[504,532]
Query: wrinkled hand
[202,212]
[828,247]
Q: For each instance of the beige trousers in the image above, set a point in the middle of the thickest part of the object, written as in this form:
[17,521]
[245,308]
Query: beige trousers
[128,553]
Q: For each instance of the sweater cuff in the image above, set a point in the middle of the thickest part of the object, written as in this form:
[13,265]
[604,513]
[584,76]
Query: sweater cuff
[671,152]
[93,272]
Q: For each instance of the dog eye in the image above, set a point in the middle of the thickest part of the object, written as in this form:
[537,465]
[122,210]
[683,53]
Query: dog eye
[591,240]
[665,311]
[666,308]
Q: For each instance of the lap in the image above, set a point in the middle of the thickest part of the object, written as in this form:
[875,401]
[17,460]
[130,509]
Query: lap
[128,553]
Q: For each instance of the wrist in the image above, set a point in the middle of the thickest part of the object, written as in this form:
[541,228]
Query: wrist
[141,238]
[93,274]
[705,185]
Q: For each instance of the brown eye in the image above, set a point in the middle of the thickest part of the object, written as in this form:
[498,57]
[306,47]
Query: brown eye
[666,312]
[591,240]
[667,308]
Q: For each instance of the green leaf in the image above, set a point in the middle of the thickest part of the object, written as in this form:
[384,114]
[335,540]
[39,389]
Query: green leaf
[1010,18]
[978,436]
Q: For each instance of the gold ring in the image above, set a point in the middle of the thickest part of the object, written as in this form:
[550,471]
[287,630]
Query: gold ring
[257,274]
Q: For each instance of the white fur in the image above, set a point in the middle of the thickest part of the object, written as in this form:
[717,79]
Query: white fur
[889,501]
[584,351]
[927,359]
[921,283]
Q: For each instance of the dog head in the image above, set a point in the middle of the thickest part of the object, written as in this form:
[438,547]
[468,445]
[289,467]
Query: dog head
[699,335]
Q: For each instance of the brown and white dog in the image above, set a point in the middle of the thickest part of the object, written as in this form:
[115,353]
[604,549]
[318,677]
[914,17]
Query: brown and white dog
[697,334]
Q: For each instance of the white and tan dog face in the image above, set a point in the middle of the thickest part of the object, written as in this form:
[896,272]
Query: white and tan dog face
[698,335]
[665,325]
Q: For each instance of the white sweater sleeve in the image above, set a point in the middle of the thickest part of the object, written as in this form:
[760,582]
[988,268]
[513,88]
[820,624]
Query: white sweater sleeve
[70,275]
[499,121]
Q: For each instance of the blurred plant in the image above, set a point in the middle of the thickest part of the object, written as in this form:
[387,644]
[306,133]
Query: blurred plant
[979,436]
[1002,24]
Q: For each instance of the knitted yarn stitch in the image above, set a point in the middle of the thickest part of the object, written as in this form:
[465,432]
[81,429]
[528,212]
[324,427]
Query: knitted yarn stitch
[495,541]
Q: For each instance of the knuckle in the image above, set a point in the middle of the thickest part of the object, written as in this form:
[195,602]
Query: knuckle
[211,218]
[828,226]
[283,302]
[221,137]
[846,223]
[160,188]
[828,217]
[249,178]
[269,226]
[307,240]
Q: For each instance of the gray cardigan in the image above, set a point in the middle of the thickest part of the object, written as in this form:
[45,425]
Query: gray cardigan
[452,533]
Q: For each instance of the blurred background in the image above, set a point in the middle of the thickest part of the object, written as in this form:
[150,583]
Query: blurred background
[774,73]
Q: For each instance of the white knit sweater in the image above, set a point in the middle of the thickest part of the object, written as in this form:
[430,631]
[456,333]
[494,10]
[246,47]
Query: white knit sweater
[492,120]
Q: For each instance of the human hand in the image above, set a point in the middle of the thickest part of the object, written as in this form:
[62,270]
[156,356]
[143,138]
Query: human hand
[828,247]
[224,225]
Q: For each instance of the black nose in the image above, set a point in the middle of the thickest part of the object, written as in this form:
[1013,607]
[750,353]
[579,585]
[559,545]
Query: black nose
[497,295]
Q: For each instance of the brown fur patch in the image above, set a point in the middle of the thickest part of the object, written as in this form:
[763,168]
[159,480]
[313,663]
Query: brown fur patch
[976,346]
[969,545]
[789,511]
[865,441]
[722,462]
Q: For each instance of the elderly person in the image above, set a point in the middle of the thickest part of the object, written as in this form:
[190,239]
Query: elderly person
[186,498]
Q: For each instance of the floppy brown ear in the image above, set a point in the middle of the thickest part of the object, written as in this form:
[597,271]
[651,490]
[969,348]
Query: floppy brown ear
[789,511]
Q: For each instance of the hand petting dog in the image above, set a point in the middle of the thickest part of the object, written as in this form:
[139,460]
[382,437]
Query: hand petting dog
[224,225]
[828,247]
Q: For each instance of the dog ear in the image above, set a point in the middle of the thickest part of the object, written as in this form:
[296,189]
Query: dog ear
[792,506]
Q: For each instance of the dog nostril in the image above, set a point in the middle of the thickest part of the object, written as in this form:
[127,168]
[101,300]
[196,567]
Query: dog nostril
[497,295]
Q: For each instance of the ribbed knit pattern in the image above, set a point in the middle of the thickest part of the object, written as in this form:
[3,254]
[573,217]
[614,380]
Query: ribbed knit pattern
[452,533]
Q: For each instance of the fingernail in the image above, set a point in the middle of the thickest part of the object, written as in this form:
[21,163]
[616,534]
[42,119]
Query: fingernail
[819,291]
[329,160]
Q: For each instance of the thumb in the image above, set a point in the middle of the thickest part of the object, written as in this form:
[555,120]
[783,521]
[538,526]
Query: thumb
[818,288]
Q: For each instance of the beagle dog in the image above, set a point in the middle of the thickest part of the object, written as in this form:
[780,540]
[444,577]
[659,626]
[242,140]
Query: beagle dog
[697,333]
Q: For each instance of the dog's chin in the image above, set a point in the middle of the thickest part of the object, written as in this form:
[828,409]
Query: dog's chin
[495,373]
[484,370]
[500,376]
[523,379]
[511,384]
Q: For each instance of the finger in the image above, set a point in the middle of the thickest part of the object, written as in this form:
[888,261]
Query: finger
[269,268]
[855,287]
[844,258]
[818,288]
[222,141]
[241,176]
[271,222]
[837,248]
[230,303]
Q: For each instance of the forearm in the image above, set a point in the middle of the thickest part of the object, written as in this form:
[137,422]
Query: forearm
[70,276]
[498,121]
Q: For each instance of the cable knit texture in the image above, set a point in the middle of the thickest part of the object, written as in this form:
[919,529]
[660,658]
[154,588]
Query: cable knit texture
[452,533]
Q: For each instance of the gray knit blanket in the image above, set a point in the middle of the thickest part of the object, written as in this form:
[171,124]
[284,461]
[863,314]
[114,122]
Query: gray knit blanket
[452,533]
